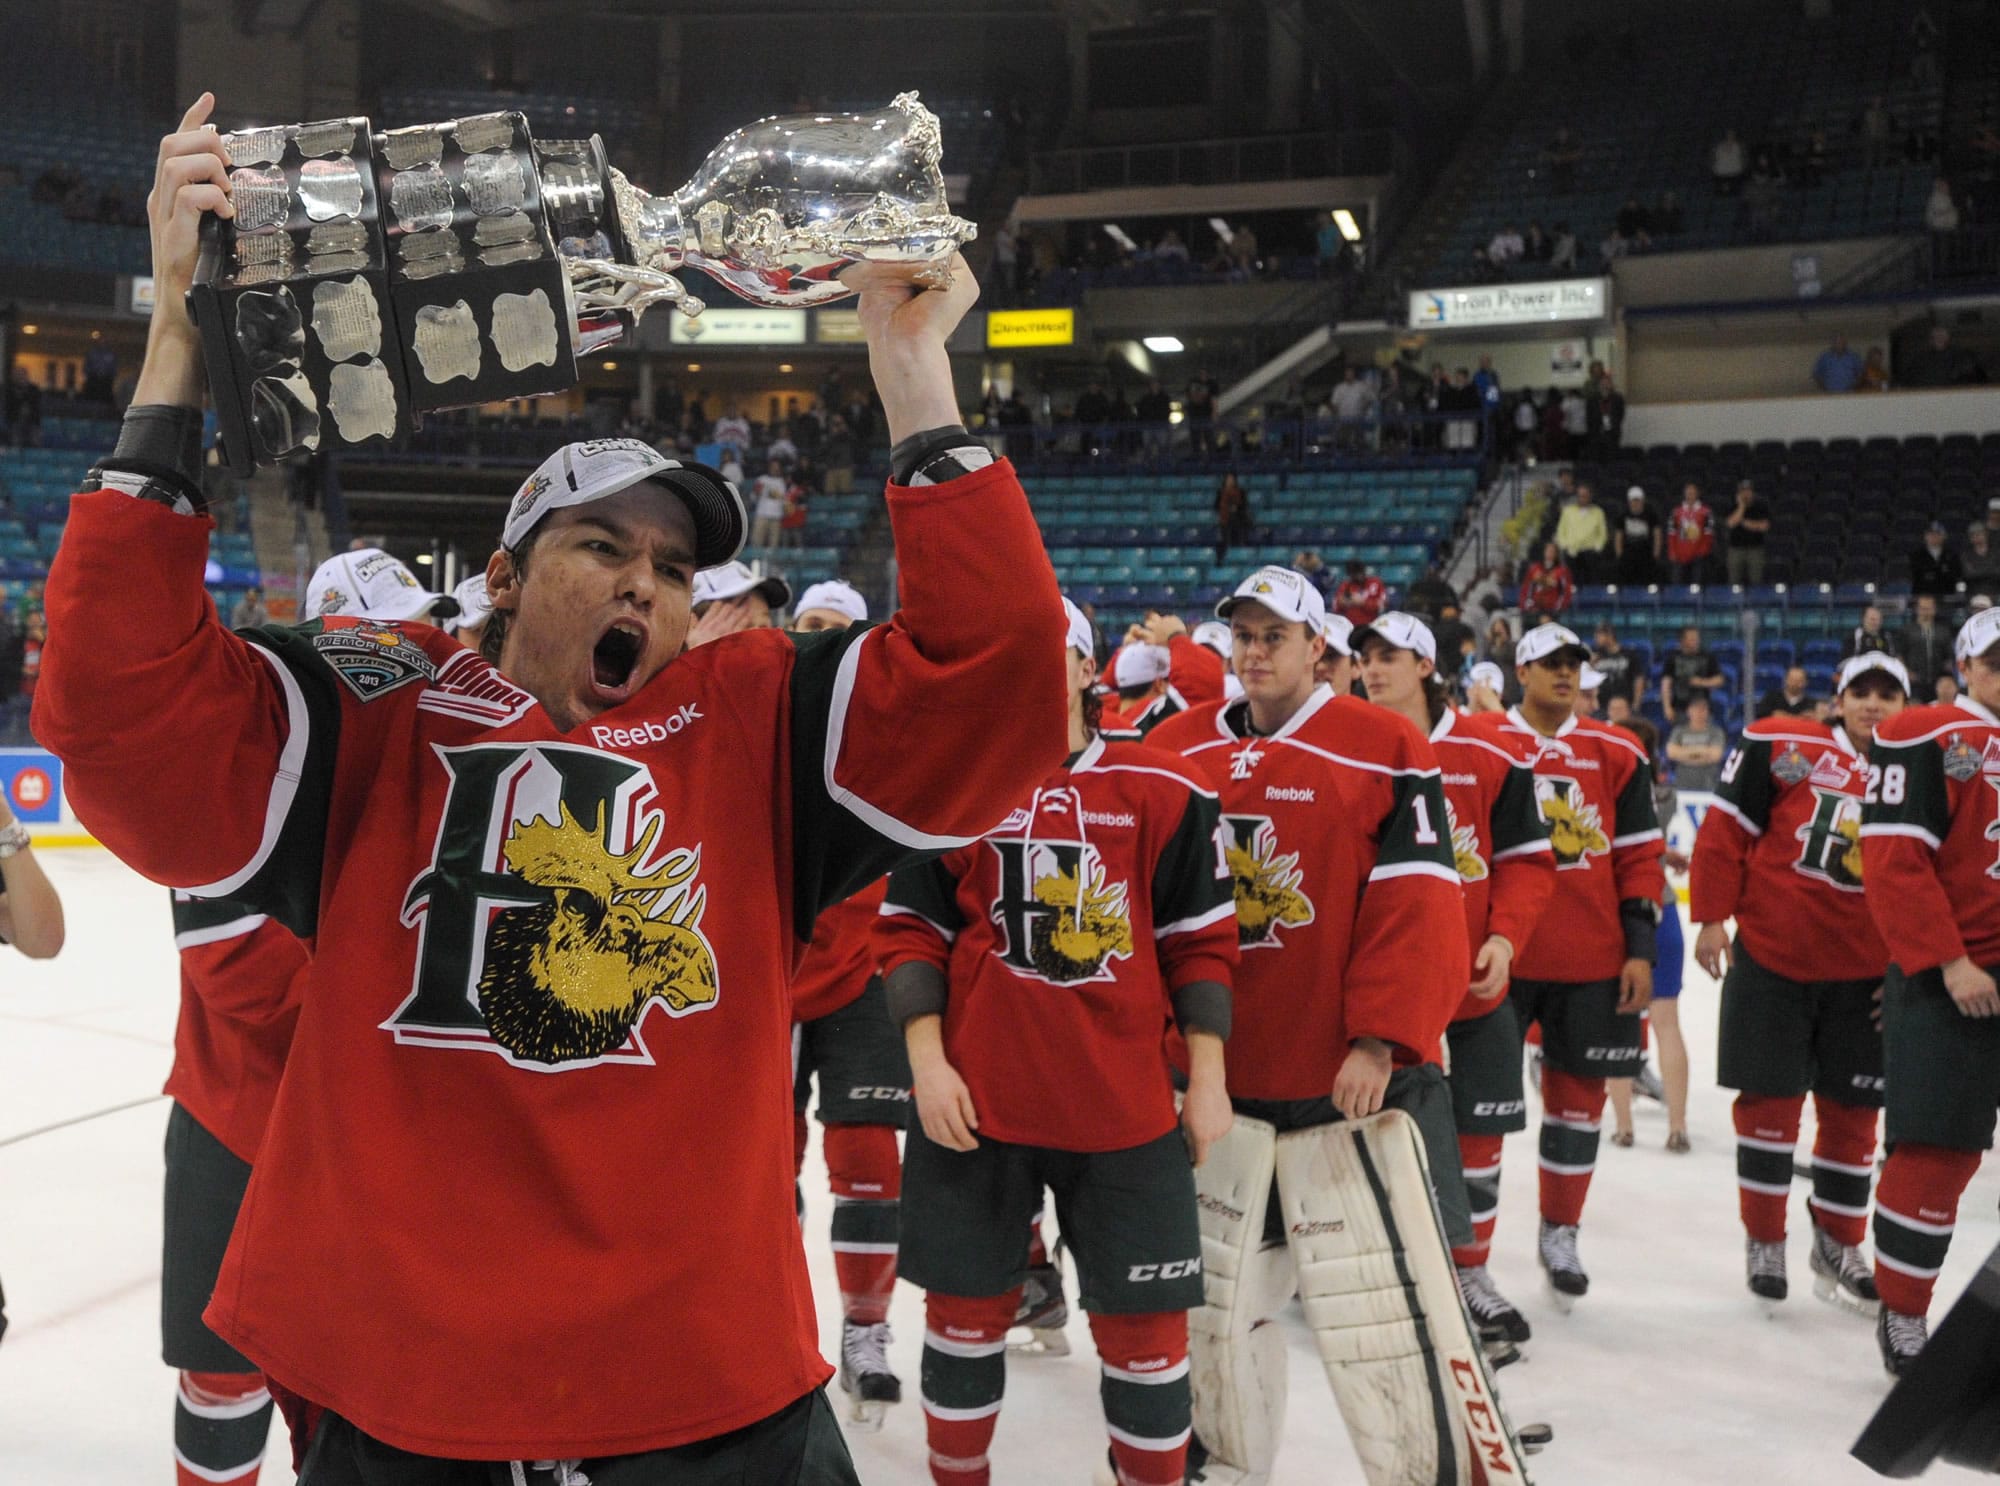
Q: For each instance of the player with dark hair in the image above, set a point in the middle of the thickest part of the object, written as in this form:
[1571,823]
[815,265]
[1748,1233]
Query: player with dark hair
[845,1041]
[1780,852]
[1586,972]
[1032,972]
[1501,849]
[1160,671]
[1351,922]
[1927,847]
[555,907]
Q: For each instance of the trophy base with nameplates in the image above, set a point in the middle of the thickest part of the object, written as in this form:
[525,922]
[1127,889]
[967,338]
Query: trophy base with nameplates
[369,277]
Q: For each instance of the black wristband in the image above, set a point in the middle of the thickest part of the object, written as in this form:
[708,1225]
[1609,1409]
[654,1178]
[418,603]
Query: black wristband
[932,456]
[1641,922]
[160,437]
[1203,1006]
[915,988]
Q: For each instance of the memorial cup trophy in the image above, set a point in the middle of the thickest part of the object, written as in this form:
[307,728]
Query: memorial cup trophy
[370,277]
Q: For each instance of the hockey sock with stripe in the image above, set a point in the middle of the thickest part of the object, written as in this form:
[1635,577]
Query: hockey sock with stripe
[1916,1208]
[1148,1406]
[220,1423]
[1767,1130]
[1843,1165]
[964,1375]
[1572,1113]
[866,1175]
[1479,1155]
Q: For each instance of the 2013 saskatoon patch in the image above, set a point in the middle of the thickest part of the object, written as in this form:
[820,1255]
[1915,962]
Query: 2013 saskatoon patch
[372,660]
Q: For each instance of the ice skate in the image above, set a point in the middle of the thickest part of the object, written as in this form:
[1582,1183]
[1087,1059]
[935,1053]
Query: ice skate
[1764,1269]
[1557,1248]
[1842,1275]
[864,1372]
[1042,1316]
[1901,1338]
[1493,1315]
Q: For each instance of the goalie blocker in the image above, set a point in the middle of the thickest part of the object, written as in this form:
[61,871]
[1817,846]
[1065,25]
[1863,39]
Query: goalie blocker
[1365,1248]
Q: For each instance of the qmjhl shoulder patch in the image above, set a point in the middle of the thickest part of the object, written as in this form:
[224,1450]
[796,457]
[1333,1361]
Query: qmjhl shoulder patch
[371,659]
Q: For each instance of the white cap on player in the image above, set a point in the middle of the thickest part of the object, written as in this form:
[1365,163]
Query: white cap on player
[1856,666]
[370,584]
[1139,664]
[1082,638]
[841,598]
[1403,631]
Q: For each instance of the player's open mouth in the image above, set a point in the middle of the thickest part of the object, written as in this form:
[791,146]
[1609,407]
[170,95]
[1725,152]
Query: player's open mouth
[615,658]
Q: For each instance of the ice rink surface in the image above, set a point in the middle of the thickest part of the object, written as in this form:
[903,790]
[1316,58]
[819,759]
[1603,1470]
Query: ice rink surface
[1666,1373]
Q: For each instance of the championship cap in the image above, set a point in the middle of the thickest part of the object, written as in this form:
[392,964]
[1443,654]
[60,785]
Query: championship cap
[1339,632]
[1856,666]
[731,580]
[1215,635]
[1589,678]
[577,474]
[1404,631]
[370,584]
[475,605]
[1082,638]
[1545,640]
[1486,674]
[1636,492]
[1287,593]
[1139,664]
[837,596]
[1978,634]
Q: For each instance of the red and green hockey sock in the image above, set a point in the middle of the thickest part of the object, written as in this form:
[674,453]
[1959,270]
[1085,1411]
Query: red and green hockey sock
[963,1378]
[1767,1131]
[221,1420]
[1916,1208]
[866,1175]
[1843,1165]
[1572,1115]
[1479,1155]
[1148,1408]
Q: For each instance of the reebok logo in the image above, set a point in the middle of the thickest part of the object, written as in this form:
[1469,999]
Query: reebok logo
[1148,1364]
[1316,1229]
[1109,818]
[1301,794]
[1931,1216]
[647,732]
[1462,779]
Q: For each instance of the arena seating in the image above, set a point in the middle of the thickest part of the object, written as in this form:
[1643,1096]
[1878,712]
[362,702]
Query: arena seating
[552,113]
[1648,125]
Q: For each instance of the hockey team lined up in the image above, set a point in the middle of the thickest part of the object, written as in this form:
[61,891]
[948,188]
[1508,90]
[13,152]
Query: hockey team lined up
[573,910]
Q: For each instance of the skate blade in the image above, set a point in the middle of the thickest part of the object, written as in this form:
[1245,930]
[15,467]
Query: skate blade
[867,1414]
[1830,1291]
[1771,1308]
[1534,1438]
[1500,1353]
[1029,1341]
[1564,1301]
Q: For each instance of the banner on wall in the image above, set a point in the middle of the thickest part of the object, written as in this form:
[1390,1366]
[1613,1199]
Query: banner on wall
[32,778]
[1510,304]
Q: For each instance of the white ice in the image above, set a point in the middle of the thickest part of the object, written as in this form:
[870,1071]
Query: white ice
[1666,1373]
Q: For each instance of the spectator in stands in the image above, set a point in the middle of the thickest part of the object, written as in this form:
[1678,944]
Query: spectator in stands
[1351,402]
[1936,363]
[249,611]
[1500,644]
[731,430]
[1944,690]
[1486,382]
[1005,276]
[1838,369]
[1869,635]
[1979,565]
[1199,406]
[1603,415]
[1232,515]
[1460,399]
[1925,646]
[1726,164]
[24,408]
[1154,404]
[1562,156]
[838,449]
[1760,197]
[1506,249]
[1535,244]
[1934,567]
[1575,420]
[1548,588]
[1877,130]
[1361,596]
[1613,246]
[1790,697]
[1874,372]
[1991,522]
[1457,644]
[1634,223]
[1689,672]
[1583,535]
[1429,594]
[1667,215]
[1697,747]
[1941,211]
[1747,528]
[1562,247]
[1093,407]
[1624,678]
[1638,541]
[768,498]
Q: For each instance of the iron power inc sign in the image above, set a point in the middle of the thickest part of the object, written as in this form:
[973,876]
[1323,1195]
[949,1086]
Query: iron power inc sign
[1511,304]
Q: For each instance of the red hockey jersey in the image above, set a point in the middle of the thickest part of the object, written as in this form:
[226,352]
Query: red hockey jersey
[1194,677]
[1595,786]
[1780,852]
[241,978]
[1498,840]
[527,1188]
[1062,936]
[841,957]
[1349,912]
[1928,836]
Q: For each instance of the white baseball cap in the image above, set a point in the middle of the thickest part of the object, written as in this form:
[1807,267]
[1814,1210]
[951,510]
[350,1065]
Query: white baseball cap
[1487,674]
[1286,592]
[1139,664]
[1082,638]
[1545,640]
[1589,678]
[833,594]
[475,605]
[1856,666]
[731,580]
[370,584]
[1339,632]
[1978,634]
[1215,635]
[577,474]
[1404,631]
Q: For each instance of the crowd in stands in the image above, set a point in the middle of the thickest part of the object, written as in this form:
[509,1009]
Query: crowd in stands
[82,200]
[1054,265]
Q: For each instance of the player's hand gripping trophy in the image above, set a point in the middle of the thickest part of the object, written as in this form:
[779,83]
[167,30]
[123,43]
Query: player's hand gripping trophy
[361,278]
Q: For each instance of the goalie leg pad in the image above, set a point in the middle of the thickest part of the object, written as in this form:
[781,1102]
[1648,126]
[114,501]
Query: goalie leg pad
[1236,1349]
[1382,1300]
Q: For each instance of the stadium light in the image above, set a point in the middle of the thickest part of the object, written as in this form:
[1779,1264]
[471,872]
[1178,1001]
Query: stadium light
[611,366]
[1349,228]
[423,559]
[1117,234]
[1221,230]
[31,330]
[1165,344]
[694,366]
[784,366]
